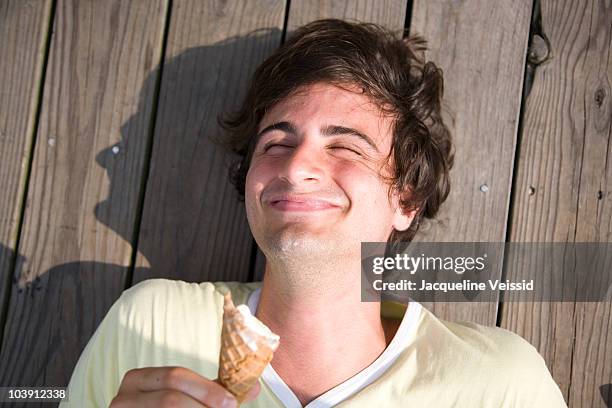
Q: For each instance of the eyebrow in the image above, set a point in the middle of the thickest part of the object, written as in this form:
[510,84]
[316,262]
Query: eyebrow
[332,130]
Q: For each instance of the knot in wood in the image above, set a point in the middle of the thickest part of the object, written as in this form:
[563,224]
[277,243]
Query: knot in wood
[539,50]
[600,95]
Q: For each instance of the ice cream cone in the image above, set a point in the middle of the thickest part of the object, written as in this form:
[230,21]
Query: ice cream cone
[247,346]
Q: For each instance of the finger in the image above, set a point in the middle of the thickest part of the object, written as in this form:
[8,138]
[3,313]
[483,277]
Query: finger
[252,394]
[181,379]
[161,398]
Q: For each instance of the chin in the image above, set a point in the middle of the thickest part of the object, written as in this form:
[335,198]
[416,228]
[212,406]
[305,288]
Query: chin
[292,245]
[297,244]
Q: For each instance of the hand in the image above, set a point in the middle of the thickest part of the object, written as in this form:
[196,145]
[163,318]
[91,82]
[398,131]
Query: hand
[173,387]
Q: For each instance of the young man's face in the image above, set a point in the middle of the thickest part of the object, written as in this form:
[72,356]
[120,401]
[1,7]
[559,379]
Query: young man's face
[314,182]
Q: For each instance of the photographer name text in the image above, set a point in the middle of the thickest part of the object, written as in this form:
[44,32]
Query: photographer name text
[466,285]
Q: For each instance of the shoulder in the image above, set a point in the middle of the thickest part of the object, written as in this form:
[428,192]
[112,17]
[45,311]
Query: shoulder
[494,347]
[494,342]
[145,303]
[152,291]
[502,360]
[487,344]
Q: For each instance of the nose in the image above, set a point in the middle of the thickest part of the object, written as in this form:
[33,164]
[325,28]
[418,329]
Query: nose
[305,165]
[106,157]
[102,157]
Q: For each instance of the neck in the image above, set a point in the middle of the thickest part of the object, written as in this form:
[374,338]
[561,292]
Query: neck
[334,334]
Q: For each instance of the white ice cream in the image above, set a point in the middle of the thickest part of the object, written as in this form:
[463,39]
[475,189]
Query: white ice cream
[255,329]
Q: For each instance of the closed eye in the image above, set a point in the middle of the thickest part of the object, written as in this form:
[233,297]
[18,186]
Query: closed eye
[346,148]
[270,145]
[285,146]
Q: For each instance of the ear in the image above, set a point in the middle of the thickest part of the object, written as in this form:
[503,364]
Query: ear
[401,219]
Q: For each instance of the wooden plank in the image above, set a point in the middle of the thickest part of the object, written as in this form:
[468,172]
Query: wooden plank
[563,190]
[591,371]
[481,47]
[389,13]
[24,28]
[76,234]
[591,375]
[194,228]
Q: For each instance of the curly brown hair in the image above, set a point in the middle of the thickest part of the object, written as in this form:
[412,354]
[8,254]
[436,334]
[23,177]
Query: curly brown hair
[390,70]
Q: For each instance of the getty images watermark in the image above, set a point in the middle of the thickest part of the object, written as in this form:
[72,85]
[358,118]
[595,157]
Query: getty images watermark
[484,272]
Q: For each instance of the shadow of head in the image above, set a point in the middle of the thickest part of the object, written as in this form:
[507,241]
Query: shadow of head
[606,394]
[176,120]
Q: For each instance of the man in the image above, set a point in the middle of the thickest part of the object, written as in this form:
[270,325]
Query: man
[342,142]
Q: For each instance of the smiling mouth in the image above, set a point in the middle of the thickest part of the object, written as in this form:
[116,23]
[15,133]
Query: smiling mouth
[302,205]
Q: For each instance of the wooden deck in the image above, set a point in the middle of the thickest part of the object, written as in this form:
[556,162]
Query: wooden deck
[107,175]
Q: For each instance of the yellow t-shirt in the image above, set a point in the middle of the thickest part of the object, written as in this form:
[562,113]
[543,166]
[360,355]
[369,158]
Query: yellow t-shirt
[436,363]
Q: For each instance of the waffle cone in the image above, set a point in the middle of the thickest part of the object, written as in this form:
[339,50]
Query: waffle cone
[239,366]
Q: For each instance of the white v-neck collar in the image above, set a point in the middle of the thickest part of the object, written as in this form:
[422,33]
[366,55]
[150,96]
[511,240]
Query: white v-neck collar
[357,382]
